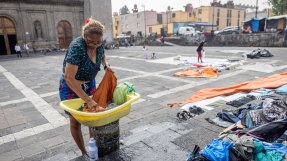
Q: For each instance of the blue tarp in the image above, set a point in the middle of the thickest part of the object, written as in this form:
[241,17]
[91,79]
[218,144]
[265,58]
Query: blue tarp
[254,23]
[217,150]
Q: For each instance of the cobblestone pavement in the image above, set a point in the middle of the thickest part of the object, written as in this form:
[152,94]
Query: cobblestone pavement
[33,127]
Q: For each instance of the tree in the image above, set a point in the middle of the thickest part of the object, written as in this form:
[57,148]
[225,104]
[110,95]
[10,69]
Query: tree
[279,7]
[124,10]
[135,9]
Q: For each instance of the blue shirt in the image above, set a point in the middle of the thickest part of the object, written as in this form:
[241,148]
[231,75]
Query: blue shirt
[77,54]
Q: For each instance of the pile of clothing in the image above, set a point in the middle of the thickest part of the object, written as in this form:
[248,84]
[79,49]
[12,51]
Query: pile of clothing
[257,53]
[264,106]
[234,147]
[256,128]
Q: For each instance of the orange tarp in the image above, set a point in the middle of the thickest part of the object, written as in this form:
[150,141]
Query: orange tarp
[205,72]
[273,81]
[104,93]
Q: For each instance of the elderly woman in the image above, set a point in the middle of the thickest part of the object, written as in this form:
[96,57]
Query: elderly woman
[80,67]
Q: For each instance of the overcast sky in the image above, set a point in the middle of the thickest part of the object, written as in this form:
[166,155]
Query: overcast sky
[159,6]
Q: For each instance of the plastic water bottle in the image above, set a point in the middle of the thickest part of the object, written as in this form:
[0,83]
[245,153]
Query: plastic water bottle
[93,150]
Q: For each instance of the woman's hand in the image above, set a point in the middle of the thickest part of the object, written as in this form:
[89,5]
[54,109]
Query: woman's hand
[109,68]
[93,105]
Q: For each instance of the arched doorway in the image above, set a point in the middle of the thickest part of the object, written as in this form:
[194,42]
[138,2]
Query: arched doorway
[8,37]
[65,34]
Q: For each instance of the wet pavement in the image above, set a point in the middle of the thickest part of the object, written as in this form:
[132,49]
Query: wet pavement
[33,127]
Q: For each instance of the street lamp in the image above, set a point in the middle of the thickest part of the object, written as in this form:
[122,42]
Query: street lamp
[256,9]
[212,18]
[168,11]
[144,20]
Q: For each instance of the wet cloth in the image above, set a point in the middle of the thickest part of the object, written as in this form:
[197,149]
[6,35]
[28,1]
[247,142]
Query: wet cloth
[267,132]
[218,103]
[217,150]
[241,101]
[282,89]
[261,154]
[66,93]
[272,110]
[282,139]
[104,93]
[219,122]
[280,148]
[243,145]
[272,95]
[77,54]
[240,112]
[273,81]
[203,73]
[254,118]
[276,110]
[228,116]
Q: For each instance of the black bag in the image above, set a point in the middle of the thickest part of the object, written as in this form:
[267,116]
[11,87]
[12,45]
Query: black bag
[268,132]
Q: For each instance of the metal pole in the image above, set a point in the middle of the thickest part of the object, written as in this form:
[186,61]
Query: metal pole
[144,23]
[212,18]
[256,9]
[167,22]
[170,19]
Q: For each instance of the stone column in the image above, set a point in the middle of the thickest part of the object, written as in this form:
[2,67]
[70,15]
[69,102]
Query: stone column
[101,10]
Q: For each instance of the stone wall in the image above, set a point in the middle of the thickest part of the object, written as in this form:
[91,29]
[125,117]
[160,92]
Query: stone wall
[101,10]
[47,15]
[245,40]
[258,39]
[41,17]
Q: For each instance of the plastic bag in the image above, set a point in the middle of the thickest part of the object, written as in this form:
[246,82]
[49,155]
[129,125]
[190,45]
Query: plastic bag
[119,96]
[203,54]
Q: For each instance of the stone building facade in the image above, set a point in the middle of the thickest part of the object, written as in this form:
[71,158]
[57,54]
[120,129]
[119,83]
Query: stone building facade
[48,24]
[136,22]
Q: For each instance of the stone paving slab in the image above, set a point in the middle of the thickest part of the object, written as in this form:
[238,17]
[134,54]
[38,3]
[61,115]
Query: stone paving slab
[8,91]
[151,131]
[18,117]
[136,65]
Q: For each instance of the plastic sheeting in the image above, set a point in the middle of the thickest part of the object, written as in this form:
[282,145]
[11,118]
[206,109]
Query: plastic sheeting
[205,72]
[272,82]
[217,150]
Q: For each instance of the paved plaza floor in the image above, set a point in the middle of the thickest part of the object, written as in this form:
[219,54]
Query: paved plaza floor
[34,127]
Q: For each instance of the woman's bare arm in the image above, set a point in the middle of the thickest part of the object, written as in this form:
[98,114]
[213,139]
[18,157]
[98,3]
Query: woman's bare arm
[69,76]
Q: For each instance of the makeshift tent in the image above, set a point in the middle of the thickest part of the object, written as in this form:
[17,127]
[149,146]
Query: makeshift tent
[253,23]
[273,81]
[276,23]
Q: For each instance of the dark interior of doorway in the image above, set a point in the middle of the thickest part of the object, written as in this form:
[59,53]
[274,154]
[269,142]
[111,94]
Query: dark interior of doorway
[12,42]
[2,45]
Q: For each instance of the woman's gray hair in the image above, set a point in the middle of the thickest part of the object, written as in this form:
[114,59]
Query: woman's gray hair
[93,27]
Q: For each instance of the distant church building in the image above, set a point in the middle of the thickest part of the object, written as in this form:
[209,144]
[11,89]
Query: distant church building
[48,23]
